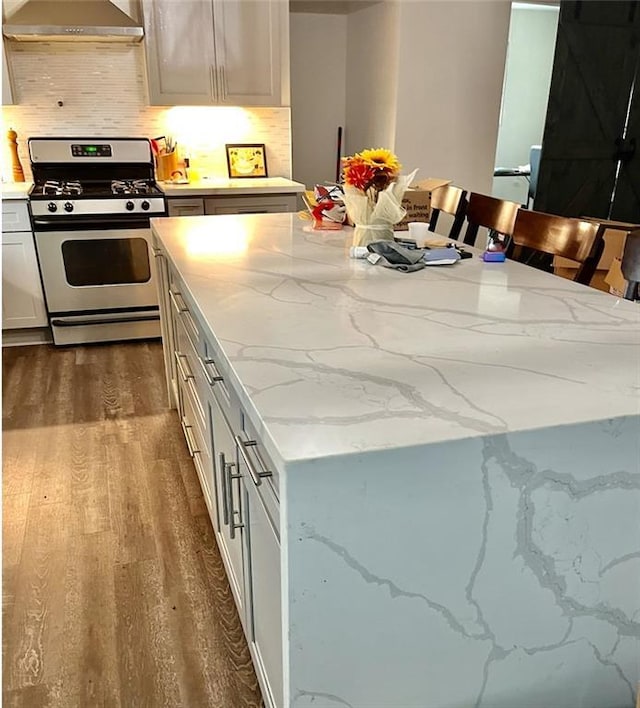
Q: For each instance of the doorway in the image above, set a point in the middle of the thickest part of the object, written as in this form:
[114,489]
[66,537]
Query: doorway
[527,77]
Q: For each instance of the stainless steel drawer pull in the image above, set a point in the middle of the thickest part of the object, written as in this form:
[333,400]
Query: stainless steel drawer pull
[191,444]
[227,480]
[225,500]
[174,299]
[193,327]
[256,476]
[211,378]
[186,375]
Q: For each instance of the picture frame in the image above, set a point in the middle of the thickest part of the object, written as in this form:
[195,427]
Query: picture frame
[246,160]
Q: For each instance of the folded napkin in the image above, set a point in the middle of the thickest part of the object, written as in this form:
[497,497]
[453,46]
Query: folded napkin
[391,255]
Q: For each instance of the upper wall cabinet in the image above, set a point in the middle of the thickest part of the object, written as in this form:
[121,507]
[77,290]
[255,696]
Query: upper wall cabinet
[7,93]
[217,52]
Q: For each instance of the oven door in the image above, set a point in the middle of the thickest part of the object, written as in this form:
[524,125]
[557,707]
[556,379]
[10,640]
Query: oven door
[94,269]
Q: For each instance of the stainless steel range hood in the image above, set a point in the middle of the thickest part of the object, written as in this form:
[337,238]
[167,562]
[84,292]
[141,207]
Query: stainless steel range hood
[65,20]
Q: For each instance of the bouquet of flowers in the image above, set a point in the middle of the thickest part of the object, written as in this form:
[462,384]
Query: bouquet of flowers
[373,193]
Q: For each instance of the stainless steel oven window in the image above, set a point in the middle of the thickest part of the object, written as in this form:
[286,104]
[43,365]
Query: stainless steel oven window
[113,261]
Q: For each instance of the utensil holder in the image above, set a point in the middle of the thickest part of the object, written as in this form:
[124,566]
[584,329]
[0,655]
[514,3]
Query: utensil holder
[166,164]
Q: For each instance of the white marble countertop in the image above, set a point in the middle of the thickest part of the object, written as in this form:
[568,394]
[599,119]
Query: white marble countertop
[15,190]
[334,355]
[219,186]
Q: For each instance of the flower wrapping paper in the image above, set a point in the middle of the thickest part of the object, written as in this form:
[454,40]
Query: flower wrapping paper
[374,220]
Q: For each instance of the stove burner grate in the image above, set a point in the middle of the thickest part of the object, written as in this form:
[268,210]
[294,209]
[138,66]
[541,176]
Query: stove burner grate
[58,188]
[136,186]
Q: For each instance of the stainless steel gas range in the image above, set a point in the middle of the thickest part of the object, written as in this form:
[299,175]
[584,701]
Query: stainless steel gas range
[90,208]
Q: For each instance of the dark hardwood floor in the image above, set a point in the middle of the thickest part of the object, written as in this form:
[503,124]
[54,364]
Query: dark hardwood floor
[114,593]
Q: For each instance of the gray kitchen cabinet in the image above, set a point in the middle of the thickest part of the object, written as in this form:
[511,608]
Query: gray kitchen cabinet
[232,529]
[236,53]
[7,91]
[167,324]
[264,576]
[22,297]
[239,483]
[255,204]
[185,207]
[241,204]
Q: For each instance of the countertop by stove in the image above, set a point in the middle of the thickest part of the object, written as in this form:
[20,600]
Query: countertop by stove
[15,190]
[219,186]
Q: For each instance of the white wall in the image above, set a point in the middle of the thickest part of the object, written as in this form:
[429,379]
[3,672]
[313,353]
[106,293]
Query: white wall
[532,37]
[318,93]
[372,69]
[452,57]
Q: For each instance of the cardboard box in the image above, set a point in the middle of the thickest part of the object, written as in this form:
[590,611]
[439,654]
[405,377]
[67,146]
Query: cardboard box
[615,280]
[417,201]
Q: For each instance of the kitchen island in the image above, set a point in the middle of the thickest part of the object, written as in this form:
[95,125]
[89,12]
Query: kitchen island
[450,468]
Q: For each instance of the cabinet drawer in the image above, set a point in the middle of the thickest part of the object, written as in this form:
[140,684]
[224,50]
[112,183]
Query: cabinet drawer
[198,449]
[224,394]
[185,207]
[182,313]
[191,375]
[261,204]
[15,216]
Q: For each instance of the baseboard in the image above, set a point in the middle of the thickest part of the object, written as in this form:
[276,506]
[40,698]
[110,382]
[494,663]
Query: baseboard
[25,337]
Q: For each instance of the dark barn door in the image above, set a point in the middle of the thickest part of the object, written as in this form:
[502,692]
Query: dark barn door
[590,161]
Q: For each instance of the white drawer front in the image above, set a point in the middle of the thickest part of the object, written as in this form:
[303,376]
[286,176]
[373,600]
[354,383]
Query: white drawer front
[15,216]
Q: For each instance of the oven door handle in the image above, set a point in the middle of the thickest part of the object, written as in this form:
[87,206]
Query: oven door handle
[99,222]
[103,320]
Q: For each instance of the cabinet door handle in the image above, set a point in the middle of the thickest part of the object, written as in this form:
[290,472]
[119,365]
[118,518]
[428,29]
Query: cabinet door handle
[213,78]
[225,86]
[225,501]
[186,375]
[256,476]
[231,512]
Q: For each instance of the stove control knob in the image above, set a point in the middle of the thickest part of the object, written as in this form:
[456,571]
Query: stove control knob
[129,206]
[145,205]
[68,206]
[52,206]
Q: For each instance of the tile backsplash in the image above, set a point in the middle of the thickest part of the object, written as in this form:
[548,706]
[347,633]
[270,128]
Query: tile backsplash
[103,92]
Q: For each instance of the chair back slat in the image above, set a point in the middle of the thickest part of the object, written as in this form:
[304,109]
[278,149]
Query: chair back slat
[450,200]
[557,235]
[577,240]
[496,214]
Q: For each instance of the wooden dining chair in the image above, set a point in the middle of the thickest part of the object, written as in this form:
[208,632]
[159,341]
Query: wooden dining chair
[450,200]
[577,240]
[494,214]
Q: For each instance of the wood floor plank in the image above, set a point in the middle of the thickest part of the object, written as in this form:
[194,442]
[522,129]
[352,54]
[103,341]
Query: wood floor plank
[114,591]
[128,503]
[147,676]
[35,623]
[19,454]
[88,675]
